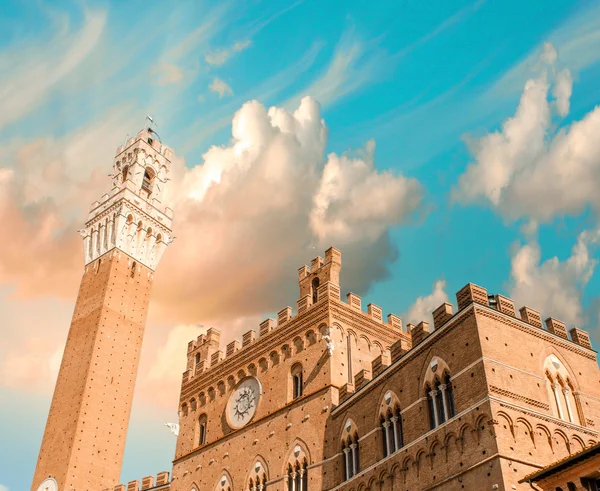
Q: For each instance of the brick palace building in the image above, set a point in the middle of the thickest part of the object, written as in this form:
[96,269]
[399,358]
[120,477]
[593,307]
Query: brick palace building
[327,396]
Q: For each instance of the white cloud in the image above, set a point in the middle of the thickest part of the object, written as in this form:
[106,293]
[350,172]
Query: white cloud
[220,87]
[168,74]
[385,199]
[266,203]
[562,90]
[422,308]
[527,170]
[3,488]
[28,75]
[553,287]
[220,56]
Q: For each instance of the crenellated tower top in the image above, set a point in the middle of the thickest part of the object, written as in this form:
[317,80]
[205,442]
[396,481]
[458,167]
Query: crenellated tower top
[133,217]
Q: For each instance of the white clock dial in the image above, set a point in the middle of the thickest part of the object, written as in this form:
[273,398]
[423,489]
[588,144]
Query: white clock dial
[48,485]
[243,402]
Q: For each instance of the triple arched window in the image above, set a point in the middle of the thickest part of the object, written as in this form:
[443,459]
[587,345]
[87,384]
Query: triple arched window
[351,456]
[391,430]
[562,395]
[440,400]
[259,483]
[297,476]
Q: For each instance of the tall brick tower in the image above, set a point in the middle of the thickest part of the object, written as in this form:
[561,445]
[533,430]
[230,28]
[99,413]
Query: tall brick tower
[124,238]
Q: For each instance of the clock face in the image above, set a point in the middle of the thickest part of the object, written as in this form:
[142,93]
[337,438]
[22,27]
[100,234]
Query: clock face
[48,485]
[243,402]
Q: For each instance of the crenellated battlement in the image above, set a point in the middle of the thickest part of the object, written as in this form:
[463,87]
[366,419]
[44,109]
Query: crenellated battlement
[319,286]
[472,293]
[147,483]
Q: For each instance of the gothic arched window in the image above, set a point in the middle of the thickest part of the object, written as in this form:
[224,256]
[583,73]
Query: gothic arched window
[440,400]
[391,430]
[351,456]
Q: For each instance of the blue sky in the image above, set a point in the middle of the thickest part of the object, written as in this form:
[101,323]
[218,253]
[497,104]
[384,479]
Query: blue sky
[450,167]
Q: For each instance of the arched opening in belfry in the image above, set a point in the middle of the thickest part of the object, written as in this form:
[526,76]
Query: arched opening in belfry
[315,290]
[148,180]
[125,172]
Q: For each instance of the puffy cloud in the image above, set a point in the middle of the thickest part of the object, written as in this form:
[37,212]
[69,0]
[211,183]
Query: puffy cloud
[220,56]
[422,308]
[553,287]
[244,218]
[46,187]
[268,202]
[220,87]
[384,199]
[526,170]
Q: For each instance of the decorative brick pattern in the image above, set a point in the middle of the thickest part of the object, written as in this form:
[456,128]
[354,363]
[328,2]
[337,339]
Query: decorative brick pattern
[471,293]
[419,332]
[395,322]
[284,316]
[517,397]
[441,315]
[354,301]
[580,337]
[531,316]
[505,305]
[232,347]
[375,312]
[266,327]
[248,337]
[556,327]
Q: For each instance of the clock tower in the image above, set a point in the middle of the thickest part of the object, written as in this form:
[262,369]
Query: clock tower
[126,234]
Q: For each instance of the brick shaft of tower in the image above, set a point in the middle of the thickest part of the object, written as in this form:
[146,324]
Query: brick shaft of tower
[124,238]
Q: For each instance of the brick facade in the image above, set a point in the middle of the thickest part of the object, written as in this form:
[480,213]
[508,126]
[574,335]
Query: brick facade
[126,233]
[521,397]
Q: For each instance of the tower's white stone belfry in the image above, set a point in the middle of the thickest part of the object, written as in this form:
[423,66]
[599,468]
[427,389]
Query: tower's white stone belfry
[126,234]
[132,217]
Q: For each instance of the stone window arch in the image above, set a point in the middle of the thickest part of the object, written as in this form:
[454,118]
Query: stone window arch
[296,472]
[297,381]
[125,173]
[201,430]
[439,393]
[351,455]
[148,181]
[224,483]
[258,476]
[560,387]
[391,430]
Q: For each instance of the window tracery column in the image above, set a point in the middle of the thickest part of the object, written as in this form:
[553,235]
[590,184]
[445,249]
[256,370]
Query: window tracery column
[353,451]
[396,433]
[566,392]
[557,399]
[386,433]
[347,462]
[433,395]
[444,402]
